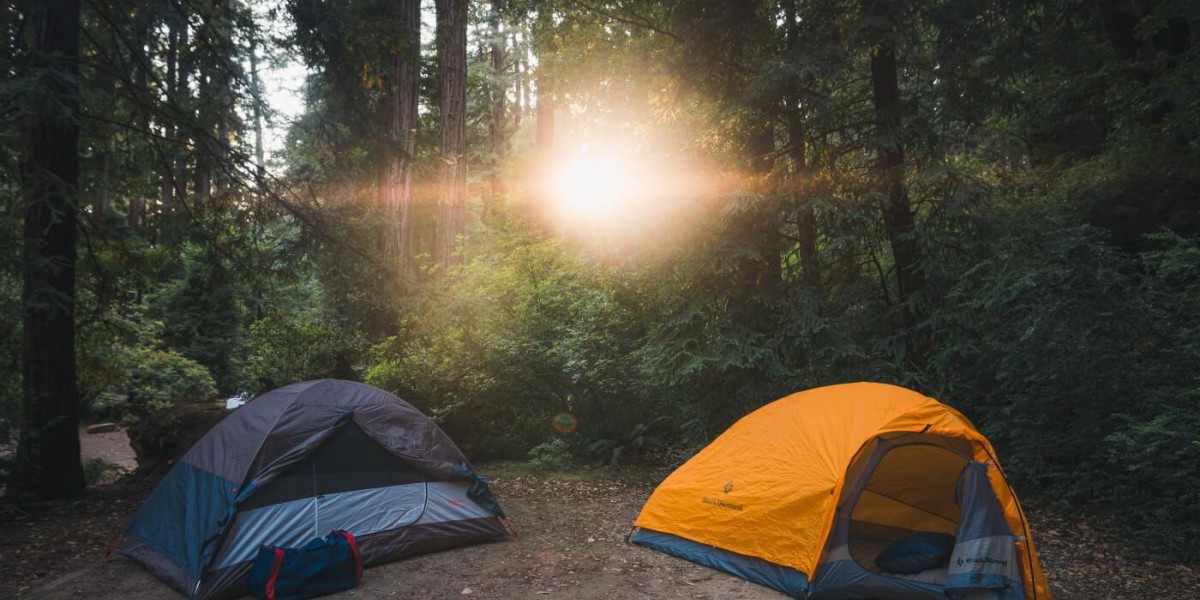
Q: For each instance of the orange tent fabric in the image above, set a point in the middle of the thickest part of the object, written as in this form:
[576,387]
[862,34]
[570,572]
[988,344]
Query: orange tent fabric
[768,486]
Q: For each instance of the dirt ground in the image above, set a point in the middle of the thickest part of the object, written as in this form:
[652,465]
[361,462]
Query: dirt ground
[571,545]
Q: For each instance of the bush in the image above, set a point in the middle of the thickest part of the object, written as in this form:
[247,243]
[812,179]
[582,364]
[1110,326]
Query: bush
[163,379]
[520,334]
[168,406]
[100,472]
[554,455]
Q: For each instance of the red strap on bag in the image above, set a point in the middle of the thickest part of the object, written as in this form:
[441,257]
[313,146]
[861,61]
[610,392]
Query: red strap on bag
[108,549]
[274,573]
[512,531]
[354,549]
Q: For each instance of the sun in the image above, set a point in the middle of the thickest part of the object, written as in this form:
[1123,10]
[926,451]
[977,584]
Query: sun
[590,187]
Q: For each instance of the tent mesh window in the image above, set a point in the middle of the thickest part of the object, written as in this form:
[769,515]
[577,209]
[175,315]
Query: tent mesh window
[348,461]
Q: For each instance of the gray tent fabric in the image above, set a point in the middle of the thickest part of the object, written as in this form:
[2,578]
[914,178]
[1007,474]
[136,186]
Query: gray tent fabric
[984,563]
[183,531]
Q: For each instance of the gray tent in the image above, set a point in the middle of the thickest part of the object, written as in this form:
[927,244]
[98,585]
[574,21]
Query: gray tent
[294,464]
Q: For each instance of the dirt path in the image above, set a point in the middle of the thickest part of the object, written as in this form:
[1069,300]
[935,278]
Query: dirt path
[111,447]
[571,546]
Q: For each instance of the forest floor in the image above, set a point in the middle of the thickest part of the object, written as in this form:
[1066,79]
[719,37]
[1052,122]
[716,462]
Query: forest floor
[571,545]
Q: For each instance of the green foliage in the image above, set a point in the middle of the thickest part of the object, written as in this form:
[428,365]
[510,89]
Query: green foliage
[284,349]
[98,471]
[162,379]
[1156,450]
[640,441]
[554,455]
[202,314]
[1158,459]
[10,355]
[520,334]
[169,405]
[1050,163]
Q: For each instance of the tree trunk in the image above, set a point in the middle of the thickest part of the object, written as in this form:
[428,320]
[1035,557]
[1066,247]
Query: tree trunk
[496,126]
[258,98]
[402,121]
[537,207]
[452,61]
[544,136]
[180,87]
[760,154]
[806,222]
[216,108]
[222,80]
[48,461]
[518,80]
[104,164]
[897,213]
[525,91]
[201,174]
[167,193]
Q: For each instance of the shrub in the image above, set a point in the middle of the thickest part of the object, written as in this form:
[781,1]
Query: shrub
[554,455]
[168,406]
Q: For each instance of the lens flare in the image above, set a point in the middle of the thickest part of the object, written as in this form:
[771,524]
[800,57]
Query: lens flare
[592,187]
[564,422]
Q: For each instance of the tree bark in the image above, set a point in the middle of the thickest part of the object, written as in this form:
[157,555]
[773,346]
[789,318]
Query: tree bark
[518,80]
[537,207]
[222,80]
[48,462]
[898,217]
[526,96]
[545,114]
[452,60]
[167,194]
[202,172]
[258,98]
[179,97]
[806,222]
[760,155]
[402,121]
[496,127]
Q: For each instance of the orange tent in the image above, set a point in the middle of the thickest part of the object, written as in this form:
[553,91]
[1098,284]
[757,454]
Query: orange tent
[806,494]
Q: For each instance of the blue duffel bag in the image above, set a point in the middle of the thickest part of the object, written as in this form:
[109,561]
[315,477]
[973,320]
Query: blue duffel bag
[320,567]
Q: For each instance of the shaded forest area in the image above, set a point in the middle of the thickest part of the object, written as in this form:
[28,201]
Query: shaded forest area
[655,216]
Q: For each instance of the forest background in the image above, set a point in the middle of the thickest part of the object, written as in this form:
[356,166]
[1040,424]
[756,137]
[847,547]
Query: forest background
[653,216]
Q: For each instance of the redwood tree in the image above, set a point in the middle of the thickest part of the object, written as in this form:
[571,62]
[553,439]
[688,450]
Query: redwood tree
[48,461]
[402,122]
[452,61]
[498,115]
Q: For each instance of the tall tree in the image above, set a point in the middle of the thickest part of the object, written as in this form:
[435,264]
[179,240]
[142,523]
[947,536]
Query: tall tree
[452,62]
[898,216]
[402,135]
[258,99]
[48,461]
[176,176]
[797,142]
[542,96]
[498,115]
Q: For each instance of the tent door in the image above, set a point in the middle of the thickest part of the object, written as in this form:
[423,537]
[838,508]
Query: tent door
[350,482]
[984,563]
[368,511]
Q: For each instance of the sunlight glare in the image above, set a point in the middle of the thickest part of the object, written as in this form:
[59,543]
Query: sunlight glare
[592,187]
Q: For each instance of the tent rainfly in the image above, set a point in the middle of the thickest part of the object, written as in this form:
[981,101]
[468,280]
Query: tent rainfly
[300,461]
[861,490]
